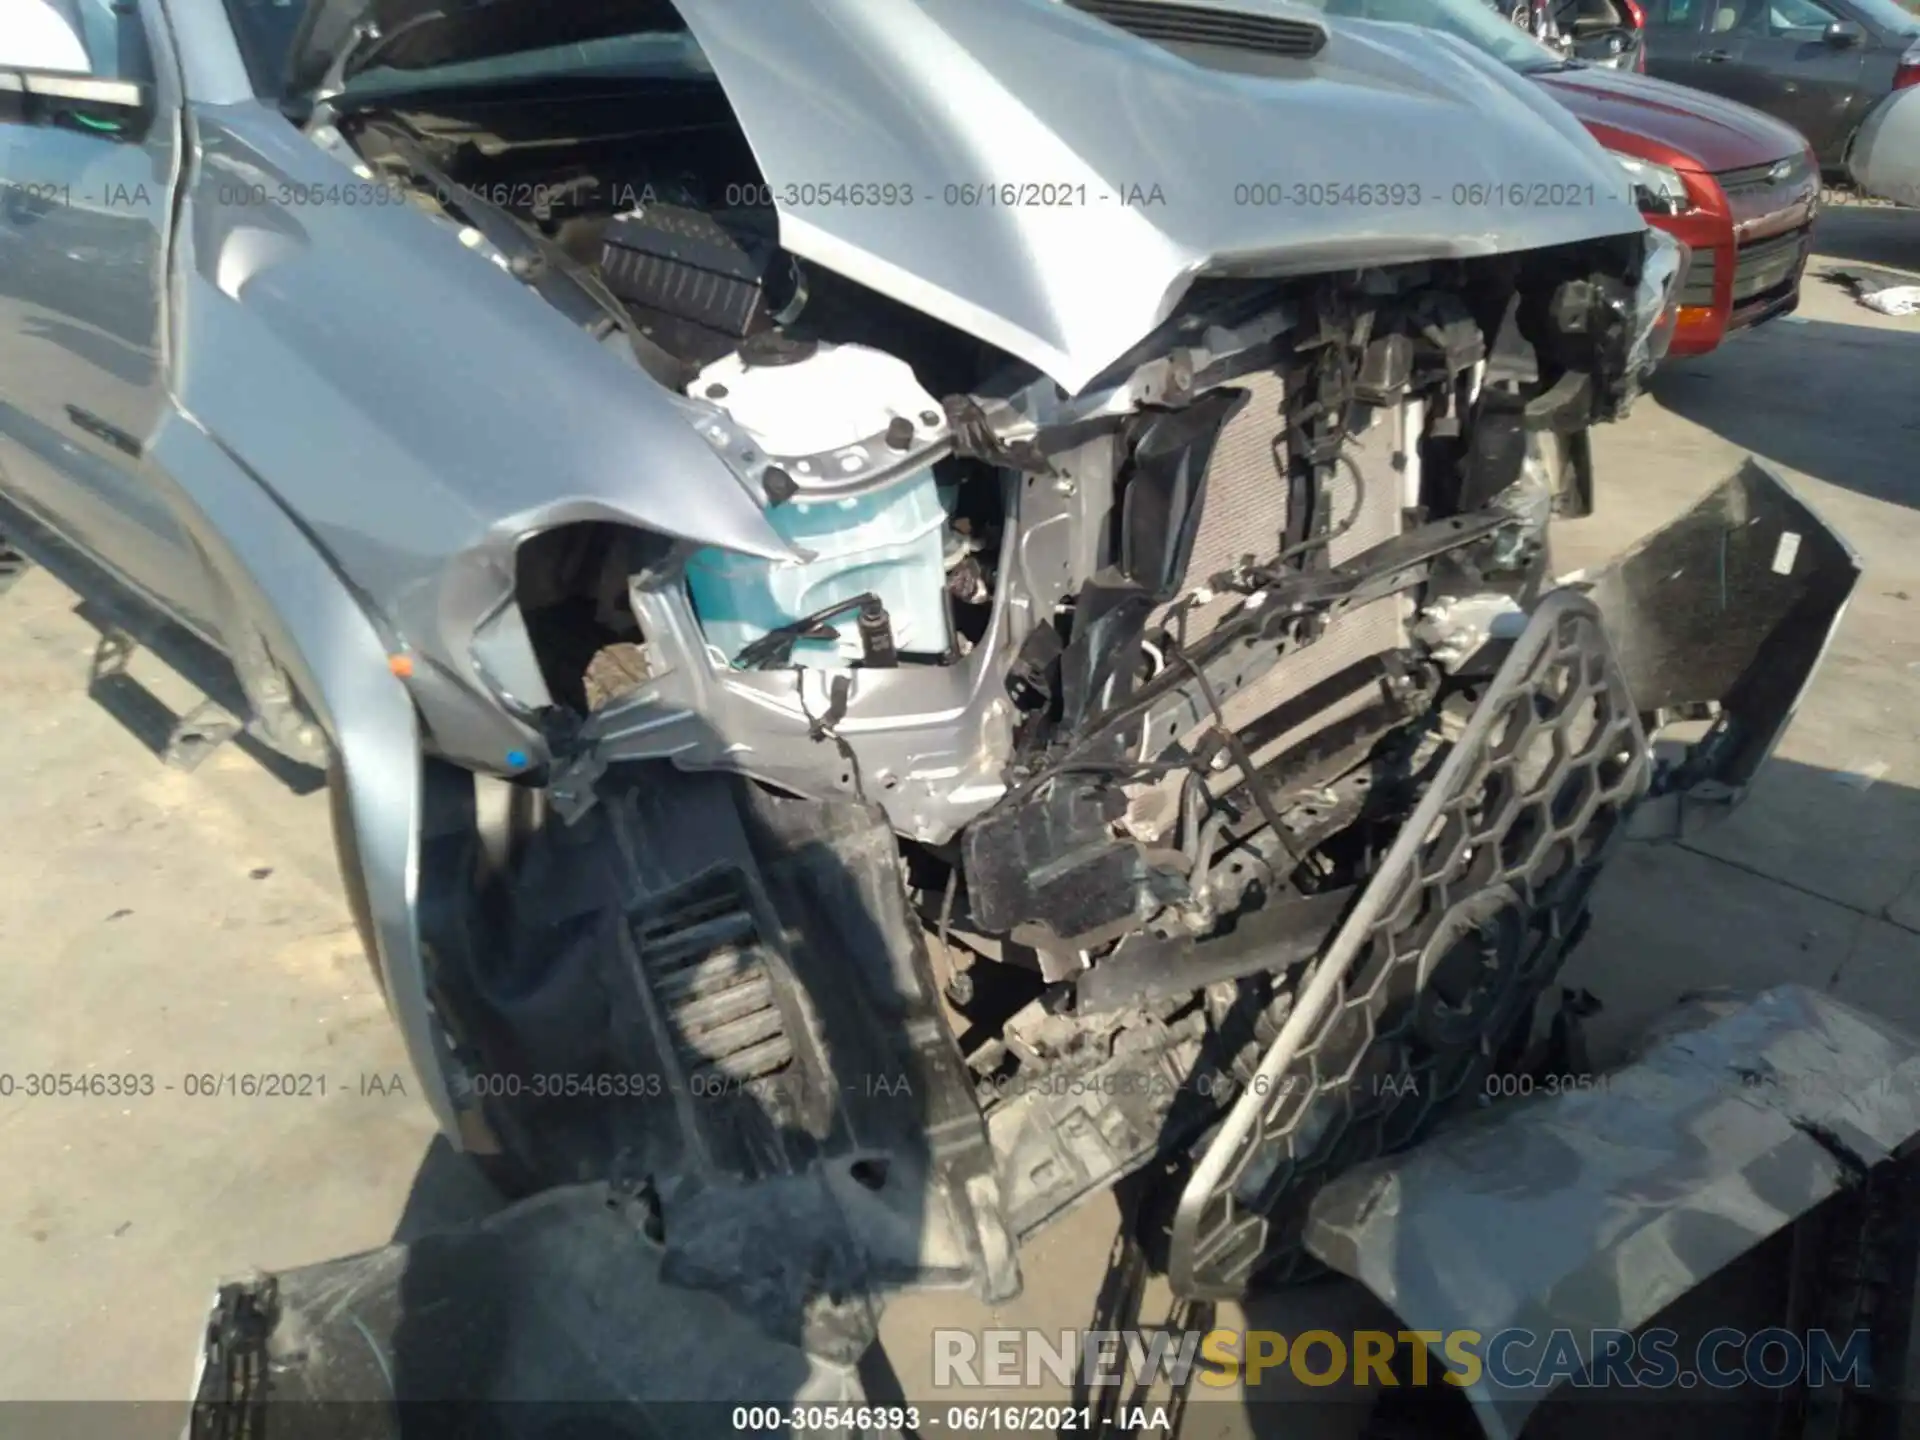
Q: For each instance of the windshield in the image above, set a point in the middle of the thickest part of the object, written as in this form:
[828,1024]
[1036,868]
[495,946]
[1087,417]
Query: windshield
[266,30]
[1473,21]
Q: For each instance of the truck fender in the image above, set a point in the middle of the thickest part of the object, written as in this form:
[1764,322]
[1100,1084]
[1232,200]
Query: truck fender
[282,589]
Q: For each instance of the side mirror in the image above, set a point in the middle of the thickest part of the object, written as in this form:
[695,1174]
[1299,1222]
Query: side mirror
[1844,34]
[118,108]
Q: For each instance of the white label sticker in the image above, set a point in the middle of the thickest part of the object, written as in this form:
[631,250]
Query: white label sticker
[1784,553]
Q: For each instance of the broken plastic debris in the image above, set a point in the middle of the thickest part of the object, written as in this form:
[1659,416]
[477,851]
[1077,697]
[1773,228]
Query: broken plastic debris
[1881,290]
[1900,300]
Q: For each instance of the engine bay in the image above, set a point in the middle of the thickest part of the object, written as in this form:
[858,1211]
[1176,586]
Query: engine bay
[836,387]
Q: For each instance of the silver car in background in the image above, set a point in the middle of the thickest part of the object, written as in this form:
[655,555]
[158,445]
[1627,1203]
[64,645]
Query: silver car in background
[1883,158]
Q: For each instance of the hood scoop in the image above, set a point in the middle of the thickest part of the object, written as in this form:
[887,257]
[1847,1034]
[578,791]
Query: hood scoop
[1172,24]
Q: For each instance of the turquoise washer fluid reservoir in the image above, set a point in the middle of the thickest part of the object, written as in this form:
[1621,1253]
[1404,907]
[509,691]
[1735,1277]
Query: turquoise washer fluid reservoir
[856,434]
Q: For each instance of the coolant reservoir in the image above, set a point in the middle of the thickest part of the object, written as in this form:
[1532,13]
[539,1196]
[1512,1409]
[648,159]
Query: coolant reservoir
[847,424]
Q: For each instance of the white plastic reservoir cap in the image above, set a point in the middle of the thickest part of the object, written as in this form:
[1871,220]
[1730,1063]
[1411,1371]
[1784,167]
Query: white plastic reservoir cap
[840,395]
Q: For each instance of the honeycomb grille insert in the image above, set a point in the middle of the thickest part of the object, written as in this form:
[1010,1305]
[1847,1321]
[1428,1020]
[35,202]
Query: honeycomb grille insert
[1456,935]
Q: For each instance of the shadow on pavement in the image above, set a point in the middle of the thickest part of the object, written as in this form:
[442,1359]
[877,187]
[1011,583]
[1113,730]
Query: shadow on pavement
[116,612]
[1814,880]
[1883,237]
[1827,399]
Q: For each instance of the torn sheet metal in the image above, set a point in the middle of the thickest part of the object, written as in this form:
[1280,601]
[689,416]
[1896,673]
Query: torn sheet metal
[1595,1209]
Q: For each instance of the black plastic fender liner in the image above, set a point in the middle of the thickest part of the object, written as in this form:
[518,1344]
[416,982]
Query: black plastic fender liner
[1596,1208]
[1733,602]
[547,1321]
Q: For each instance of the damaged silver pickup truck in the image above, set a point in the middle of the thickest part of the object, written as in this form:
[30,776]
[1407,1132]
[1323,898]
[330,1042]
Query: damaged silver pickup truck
[912,607]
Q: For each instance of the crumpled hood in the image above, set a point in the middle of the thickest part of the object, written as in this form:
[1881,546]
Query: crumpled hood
[1052,184]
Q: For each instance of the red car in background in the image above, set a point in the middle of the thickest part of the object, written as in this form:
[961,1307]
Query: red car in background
[1739,187]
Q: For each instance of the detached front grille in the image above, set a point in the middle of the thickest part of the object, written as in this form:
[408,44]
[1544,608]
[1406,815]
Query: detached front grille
[1766,265]
[1167,24]
[1442,959]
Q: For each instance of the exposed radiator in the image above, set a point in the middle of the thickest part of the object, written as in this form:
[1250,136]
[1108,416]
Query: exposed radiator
[1245,513]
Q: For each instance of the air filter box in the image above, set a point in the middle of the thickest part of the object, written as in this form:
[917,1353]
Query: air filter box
[698,282]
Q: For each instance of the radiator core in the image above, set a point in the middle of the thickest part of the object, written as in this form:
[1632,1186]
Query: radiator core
[1244,513]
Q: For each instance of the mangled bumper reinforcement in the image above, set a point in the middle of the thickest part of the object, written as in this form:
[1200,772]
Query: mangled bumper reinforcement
[1727,610]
